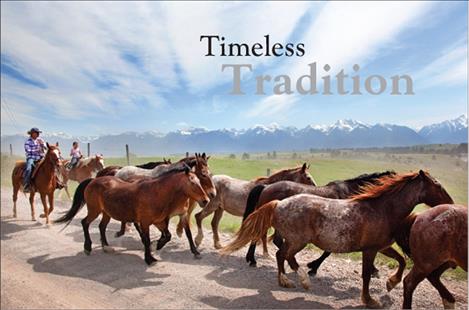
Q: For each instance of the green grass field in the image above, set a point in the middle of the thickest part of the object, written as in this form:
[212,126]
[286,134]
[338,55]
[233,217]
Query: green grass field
[451,170]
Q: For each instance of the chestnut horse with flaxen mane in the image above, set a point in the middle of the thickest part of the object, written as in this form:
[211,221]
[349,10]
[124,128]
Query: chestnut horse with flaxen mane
[364,223]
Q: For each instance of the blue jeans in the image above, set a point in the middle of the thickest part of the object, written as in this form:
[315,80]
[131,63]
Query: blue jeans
[27,172]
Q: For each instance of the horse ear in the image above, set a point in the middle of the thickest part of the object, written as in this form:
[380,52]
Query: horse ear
[57,143]
[208,157]
[303,168]
[47,144]
[203,155]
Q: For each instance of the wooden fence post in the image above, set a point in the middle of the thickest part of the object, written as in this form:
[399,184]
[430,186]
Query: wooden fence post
[11,150]
[268,172]
[187,154]
[127,154]
[89,149]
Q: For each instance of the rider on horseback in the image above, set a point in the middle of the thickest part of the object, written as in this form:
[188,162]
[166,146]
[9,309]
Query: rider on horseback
[76,155]
[34,148]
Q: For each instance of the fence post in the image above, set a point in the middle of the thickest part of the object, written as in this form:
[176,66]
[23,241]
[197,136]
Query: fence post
[11,150]
[187,154]
[89,149]
[127,154]
[268,172]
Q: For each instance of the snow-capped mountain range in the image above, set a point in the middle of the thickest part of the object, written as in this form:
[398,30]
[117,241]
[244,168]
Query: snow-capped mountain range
[260,138]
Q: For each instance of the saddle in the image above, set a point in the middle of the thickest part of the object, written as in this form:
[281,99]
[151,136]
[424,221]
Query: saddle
[22,167]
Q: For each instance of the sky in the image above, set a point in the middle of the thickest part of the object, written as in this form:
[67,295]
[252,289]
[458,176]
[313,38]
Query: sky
[93,68]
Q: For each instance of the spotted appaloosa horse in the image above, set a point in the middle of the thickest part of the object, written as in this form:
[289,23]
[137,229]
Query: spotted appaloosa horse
[436,240]
[364,223]
[44,181]
[232,195]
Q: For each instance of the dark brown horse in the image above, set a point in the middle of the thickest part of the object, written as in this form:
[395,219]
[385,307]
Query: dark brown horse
[44,181]
[436,240]
[262,194]
[365,223]
[144,202]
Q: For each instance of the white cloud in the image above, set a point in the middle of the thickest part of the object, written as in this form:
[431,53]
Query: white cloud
[272,105]
[450,68]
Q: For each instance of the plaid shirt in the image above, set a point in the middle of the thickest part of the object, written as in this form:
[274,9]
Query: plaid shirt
[34,149]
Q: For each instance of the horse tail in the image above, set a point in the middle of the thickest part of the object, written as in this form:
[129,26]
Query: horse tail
[253,228]
[77,204]
[402,234]
[253,198]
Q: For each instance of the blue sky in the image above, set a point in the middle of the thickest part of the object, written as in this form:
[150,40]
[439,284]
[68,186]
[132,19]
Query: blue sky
[98,68]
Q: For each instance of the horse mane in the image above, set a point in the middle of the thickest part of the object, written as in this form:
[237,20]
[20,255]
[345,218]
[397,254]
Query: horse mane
[178,167]
[86,161]
[364,178]
[388,185]
[276,174]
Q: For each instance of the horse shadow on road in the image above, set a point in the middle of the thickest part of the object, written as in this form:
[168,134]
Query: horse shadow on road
[10,226]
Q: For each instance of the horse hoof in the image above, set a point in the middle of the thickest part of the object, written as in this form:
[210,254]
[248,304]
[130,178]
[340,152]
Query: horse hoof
[448,304]
[150,261]
[312,272]
[33,219]
[217,246]
[390,284]
[108,249]
[253,264]
[42,215]
[372,304]
[304,279]
[197,256]
[285,282]
[375,274]
[87,252]
[179,233]
[14,215]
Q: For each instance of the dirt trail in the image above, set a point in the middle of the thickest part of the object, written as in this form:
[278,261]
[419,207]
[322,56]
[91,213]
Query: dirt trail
[43,267]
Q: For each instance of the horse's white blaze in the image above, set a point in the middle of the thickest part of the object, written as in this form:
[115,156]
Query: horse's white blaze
[101,162]
[56,153]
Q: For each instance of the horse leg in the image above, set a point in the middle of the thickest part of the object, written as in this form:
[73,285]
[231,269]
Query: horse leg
[198,218]
[446,296]
[180,226]
[67,192]
[411,280]
[31,202]
[51,202]
[215,221]
[149,259]
[188,232]
[265,248]
[85,223]
[302,275]
[102,231]
[15,198]
[121,232]
[315,264]
[250,255]
[277,239]
[138,229]
[46,209]
[397,276]
[165,234]
[282,277]
[367,268]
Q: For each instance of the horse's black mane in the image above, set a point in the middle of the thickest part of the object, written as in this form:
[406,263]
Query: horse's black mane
[363,178]
[151,164]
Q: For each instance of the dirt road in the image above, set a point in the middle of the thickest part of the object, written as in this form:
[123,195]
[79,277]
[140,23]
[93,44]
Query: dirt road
[43,267]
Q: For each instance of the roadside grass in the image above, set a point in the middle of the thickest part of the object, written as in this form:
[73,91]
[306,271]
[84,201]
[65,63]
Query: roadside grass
[450,170]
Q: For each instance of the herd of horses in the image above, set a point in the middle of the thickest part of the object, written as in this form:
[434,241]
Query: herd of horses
[364,214]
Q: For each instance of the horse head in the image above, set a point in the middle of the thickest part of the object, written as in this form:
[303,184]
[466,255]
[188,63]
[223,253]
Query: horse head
[433,193]
[193,187]
[53,155]
[203,173]
[301,175]
[99,162]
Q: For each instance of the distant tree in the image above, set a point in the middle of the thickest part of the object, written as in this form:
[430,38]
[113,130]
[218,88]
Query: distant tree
[294,155]
[268,155]
[245,156]
[232,156]
[274,154]
[311,150]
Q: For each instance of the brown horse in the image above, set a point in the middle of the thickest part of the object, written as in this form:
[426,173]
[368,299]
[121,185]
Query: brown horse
[436,239]
[142,202]
[262,194]
[232,195]
[43,181]
[83,170]
[364,223]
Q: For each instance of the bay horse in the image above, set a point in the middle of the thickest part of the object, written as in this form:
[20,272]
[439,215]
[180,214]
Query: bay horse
[339,189]
[43,181]
[143,202]
[364,223]
[232,195]
[436,240]
[83,170]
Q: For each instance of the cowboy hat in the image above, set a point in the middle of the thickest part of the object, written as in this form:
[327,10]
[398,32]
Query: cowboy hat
[34,129]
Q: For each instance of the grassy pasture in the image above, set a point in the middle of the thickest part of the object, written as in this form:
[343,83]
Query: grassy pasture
[450,170]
